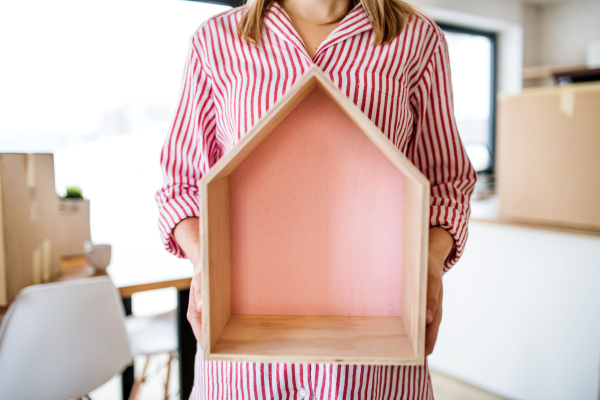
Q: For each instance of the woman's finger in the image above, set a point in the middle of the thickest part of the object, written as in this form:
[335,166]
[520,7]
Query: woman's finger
[194,313]
[434,286]
[197,288]
[432,329]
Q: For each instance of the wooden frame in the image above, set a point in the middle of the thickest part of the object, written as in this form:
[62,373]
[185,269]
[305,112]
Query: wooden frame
[347,339]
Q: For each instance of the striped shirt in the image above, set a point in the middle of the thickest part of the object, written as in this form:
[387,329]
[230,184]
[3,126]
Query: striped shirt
[403,87]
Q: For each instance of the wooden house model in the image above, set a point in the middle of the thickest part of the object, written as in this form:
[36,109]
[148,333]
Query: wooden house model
[314,231]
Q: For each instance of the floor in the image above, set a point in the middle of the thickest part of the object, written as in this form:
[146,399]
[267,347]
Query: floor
[447,388]
[152,389]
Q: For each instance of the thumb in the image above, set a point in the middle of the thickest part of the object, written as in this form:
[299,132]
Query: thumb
[199,306]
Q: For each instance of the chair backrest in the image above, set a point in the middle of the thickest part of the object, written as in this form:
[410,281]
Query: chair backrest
[62,340]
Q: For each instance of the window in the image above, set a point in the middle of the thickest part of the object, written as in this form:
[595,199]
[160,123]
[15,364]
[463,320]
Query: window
[76,71]
[472,62]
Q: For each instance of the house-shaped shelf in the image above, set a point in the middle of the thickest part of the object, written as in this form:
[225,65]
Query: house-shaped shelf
[314,239]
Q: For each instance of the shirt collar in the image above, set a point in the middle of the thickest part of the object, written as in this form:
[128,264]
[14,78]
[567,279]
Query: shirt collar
[355,22]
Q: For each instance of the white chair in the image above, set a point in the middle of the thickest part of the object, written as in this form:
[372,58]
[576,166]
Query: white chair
[62,340]
[150,335]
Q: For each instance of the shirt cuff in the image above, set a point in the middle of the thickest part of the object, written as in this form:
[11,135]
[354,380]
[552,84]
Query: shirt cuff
[457,225]
[172,212]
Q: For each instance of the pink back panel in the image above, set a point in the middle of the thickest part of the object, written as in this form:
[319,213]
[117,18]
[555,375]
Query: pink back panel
[316,220]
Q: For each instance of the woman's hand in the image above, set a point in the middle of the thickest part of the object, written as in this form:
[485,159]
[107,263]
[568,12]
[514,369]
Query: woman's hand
[194,311]
[187,235]
[440,244]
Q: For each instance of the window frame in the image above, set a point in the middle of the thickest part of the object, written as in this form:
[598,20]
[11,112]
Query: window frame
[492,36]
[230,3]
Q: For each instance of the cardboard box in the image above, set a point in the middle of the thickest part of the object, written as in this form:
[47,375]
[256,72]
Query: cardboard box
[314,233]
[28,220]
[73,226]
[548,166]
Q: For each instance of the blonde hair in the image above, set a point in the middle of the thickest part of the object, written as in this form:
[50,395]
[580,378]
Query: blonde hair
[388,17]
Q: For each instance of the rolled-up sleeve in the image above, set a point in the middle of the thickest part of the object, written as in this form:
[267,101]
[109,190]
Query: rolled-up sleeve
[436,149]
[189,148]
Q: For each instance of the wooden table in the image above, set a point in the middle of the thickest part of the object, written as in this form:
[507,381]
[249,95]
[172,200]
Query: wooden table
[132,281]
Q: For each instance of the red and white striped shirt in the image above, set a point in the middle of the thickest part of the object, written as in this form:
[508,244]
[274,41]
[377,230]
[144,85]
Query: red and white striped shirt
[404,87]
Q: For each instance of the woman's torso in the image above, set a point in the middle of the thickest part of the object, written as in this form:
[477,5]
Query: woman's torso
[258,381]
[246,81]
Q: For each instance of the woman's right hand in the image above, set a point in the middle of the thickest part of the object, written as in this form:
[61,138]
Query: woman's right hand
[187,235]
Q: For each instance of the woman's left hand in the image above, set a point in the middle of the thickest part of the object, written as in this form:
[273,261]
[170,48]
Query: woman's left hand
[440,244]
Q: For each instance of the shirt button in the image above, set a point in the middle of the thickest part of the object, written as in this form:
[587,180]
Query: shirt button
[303,392]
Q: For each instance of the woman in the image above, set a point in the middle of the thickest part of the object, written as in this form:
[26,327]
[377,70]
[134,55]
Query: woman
[392,62]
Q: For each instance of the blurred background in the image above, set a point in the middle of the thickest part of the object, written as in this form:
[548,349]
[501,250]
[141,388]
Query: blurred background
[96,84]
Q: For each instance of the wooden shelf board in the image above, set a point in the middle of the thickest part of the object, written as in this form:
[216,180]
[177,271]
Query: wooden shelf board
[358,340]
[313,103]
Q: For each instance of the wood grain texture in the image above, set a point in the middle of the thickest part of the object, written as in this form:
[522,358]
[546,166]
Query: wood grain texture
[414,283]
[316,220]
[348,340]
[215,225]
[548,168]
[216,250]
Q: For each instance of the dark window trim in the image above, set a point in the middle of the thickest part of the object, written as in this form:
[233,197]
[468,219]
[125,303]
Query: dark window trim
[230,3]
[493,84]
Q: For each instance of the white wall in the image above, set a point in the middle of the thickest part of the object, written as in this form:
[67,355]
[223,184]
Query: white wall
[566,28]
[531,35]
[558,33]
[506,10]
[522,314]
[502,17]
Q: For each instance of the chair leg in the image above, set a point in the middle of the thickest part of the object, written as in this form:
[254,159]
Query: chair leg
[138,382]
[168,376]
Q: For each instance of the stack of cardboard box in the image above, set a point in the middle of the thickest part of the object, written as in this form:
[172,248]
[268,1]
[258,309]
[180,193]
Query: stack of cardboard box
[28,220]
[548,164]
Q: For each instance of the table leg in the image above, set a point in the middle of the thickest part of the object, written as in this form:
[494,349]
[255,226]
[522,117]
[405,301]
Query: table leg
[128,375]
[187,346]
